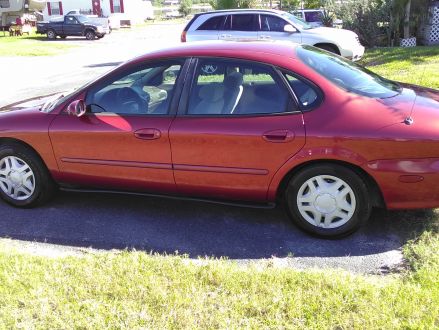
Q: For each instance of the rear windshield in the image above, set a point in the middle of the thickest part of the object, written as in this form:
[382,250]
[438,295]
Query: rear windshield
[347,74]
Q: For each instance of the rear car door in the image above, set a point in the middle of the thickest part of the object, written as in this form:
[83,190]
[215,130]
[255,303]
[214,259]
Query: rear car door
[240,27]
[272,27]
[237,124]
[122,141]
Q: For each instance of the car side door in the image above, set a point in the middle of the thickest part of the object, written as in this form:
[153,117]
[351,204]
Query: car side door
[273,27]
[71,26]
[237,124]
[240,27]
[122,141]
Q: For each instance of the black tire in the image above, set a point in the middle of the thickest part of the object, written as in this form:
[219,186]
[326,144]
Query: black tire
[330,48]
[328,201]
[44,186]
[51,34]
[90,35]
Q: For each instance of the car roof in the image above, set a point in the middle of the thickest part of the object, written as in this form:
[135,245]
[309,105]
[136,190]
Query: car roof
[223,48]
[241,10]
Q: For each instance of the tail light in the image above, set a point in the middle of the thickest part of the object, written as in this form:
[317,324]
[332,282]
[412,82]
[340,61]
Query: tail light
[183,36]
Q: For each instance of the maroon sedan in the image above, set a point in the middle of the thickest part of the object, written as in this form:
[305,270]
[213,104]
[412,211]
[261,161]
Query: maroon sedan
[250,122]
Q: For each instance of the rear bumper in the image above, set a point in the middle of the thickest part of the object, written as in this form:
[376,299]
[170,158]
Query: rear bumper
[407,183]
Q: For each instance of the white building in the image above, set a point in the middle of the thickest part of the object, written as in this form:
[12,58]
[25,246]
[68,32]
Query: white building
[134,11]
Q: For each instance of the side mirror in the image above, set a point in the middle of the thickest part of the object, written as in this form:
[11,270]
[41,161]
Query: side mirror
[76,108]
[289,28]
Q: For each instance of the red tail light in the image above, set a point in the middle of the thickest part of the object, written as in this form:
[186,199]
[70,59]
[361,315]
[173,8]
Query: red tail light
[183,36]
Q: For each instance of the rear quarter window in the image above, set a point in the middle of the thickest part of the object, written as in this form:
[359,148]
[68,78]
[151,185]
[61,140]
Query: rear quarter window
[213,23]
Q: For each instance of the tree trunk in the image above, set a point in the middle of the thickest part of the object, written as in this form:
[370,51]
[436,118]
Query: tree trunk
[407,20]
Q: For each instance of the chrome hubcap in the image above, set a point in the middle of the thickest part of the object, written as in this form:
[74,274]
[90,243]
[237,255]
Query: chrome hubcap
[16,178]
[326,201]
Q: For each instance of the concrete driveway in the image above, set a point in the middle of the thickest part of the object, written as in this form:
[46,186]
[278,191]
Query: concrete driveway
[151,224]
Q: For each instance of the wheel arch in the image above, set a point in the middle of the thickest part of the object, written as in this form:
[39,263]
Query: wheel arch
[8,140]
[328,44]
[371,184]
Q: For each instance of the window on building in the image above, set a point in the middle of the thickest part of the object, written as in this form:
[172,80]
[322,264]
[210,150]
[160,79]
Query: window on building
[54,8]
[117,6]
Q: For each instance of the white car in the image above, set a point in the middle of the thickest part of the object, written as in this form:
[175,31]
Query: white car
[261,24]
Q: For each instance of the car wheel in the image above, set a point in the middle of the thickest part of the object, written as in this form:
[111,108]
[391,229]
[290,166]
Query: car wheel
[51,34]
[329,48]
[90,35]
[24,180]
[327,200]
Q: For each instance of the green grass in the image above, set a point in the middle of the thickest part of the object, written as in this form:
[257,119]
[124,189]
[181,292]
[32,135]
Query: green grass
[33,45]
[134,290]
[418,65]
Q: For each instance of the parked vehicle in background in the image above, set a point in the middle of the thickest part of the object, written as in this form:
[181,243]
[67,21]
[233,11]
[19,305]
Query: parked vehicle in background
[261,24]
[71,25]
[311,16]
[253,123]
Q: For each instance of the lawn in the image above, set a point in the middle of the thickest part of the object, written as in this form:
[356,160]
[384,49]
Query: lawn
[32,45]
[418,65]
[134,290]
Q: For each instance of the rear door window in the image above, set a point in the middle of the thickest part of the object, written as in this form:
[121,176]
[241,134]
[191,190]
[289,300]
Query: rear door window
[243,22]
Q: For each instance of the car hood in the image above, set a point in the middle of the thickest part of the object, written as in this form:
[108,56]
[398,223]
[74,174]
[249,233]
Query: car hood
[332,33]
[34,102]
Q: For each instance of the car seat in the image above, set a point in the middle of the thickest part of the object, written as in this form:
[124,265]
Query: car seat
[232,91]
[212,100]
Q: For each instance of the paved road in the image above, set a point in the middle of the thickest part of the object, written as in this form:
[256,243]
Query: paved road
[108,221]
[25,77]
[198,229]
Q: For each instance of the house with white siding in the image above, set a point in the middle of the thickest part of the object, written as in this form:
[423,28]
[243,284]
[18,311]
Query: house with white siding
[132,11]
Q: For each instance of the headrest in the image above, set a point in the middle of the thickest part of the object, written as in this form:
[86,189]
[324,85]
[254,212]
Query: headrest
[211,92]
[233,80]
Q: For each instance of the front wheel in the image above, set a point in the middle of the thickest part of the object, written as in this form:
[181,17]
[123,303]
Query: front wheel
[327,200]
[24,180]
[90,35]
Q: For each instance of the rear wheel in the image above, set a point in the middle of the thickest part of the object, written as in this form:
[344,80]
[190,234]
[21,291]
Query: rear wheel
[24,180]
[90,35]
[51,34]
[327,200]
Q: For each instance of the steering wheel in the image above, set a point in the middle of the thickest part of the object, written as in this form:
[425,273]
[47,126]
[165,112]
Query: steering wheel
[130,102]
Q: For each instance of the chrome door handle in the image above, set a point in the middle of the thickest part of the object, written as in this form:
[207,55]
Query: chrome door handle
[225,36]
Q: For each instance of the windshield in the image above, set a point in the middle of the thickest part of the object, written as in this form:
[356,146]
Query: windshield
[82,19]
[296,21]
[346,74]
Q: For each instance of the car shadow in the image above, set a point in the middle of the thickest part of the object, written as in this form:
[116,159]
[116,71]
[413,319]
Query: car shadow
[107,221]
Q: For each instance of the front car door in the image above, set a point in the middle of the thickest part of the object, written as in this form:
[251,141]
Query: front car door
[123,139]
[272,27]
[71,26]
[237,127]
[240,27]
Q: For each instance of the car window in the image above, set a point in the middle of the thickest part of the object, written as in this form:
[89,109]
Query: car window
[313,16]
[144,91]
[229,87]
[71,20]
[272,23]
[347,74]
[242,22]
[307,95]
[213,23]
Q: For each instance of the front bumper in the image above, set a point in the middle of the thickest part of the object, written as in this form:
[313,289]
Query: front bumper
[354,53]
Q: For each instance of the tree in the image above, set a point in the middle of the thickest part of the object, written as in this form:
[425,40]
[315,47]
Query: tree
[185,7]
[231,4]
